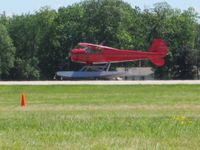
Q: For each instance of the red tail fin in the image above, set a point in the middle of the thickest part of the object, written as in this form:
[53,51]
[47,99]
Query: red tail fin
[159,46]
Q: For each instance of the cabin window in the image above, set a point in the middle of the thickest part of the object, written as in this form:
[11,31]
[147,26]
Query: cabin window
[91,51]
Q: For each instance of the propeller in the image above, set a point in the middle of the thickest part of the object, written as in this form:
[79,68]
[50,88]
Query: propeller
[69,55]
[68,58]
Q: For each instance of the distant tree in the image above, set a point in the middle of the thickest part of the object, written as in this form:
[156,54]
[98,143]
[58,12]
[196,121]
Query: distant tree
[7,52]
[196,50]
[23,31]
[4,19]
[182,45]
[197,38]
[184,62]
[49,51]
[111,21]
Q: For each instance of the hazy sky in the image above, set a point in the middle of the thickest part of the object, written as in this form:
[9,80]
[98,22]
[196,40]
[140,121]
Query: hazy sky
[26,6]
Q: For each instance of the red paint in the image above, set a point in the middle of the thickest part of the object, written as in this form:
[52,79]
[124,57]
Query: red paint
[98,54]
[23,101]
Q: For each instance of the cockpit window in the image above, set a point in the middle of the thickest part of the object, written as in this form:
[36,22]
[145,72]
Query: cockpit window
[91,51]
[87,49]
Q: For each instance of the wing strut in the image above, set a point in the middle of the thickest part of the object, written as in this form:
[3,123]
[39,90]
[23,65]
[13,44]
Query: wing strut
[105,67]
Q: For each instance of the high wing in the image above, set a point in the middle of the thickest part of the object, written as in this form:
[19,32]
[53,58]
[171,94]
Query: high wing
[96,47]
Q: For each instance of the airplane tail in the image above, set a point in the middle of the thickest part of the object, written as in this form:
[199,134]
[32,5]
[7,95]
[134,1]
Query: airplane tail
[158,47]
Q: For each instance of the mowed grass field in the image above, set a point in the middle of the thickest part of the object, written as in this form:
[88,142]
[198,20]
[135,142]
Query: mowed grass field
[141,117]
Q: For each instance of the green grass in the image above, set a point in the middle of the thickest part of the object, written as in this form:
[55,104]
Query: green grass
[100,117]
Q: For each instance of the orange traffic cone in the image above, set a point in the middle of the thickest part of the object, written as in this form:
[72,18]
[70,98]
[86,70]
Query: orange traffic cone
[23,102]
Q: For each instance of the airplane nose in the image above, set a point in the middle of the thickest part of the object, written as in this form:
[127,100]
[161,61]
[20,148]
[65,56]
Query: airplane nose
[74,51]
[77,51]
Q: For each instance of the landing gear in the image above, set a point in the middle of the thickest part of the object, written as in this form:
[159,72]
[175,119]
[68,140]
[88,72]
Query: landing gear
[57,77]
[105,67]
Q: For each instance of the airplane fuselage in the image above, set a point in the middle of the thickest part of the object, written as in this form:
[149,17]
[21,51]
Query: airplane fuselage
[111,56]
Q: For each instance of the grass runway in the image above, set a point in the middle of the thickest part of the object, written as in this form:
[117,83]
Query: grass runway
[153,117]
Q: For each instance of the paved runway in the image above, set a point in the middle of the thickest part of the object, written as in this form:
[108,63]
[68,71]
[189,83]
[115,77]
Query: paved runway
[98,82]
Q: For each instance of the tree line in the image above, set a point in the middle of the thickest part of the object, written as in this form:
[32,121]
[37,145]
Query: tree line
[35,46]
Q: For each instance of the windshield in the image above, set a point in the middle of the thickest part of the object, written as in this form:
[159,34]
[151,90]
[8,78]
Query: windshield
[91,51]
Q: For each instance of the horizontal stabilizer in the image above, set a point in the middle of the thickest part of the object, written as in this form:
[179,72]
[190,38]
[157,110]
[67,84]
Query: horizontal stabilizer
[158,62]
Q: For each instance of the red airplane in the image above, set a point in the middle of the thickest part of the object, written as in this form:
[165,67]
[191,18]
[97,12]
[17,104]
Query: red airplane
[92,54]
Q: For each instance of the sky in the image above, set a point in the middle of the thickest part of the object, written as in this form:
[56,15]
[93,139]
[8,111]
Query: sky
[30,6]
